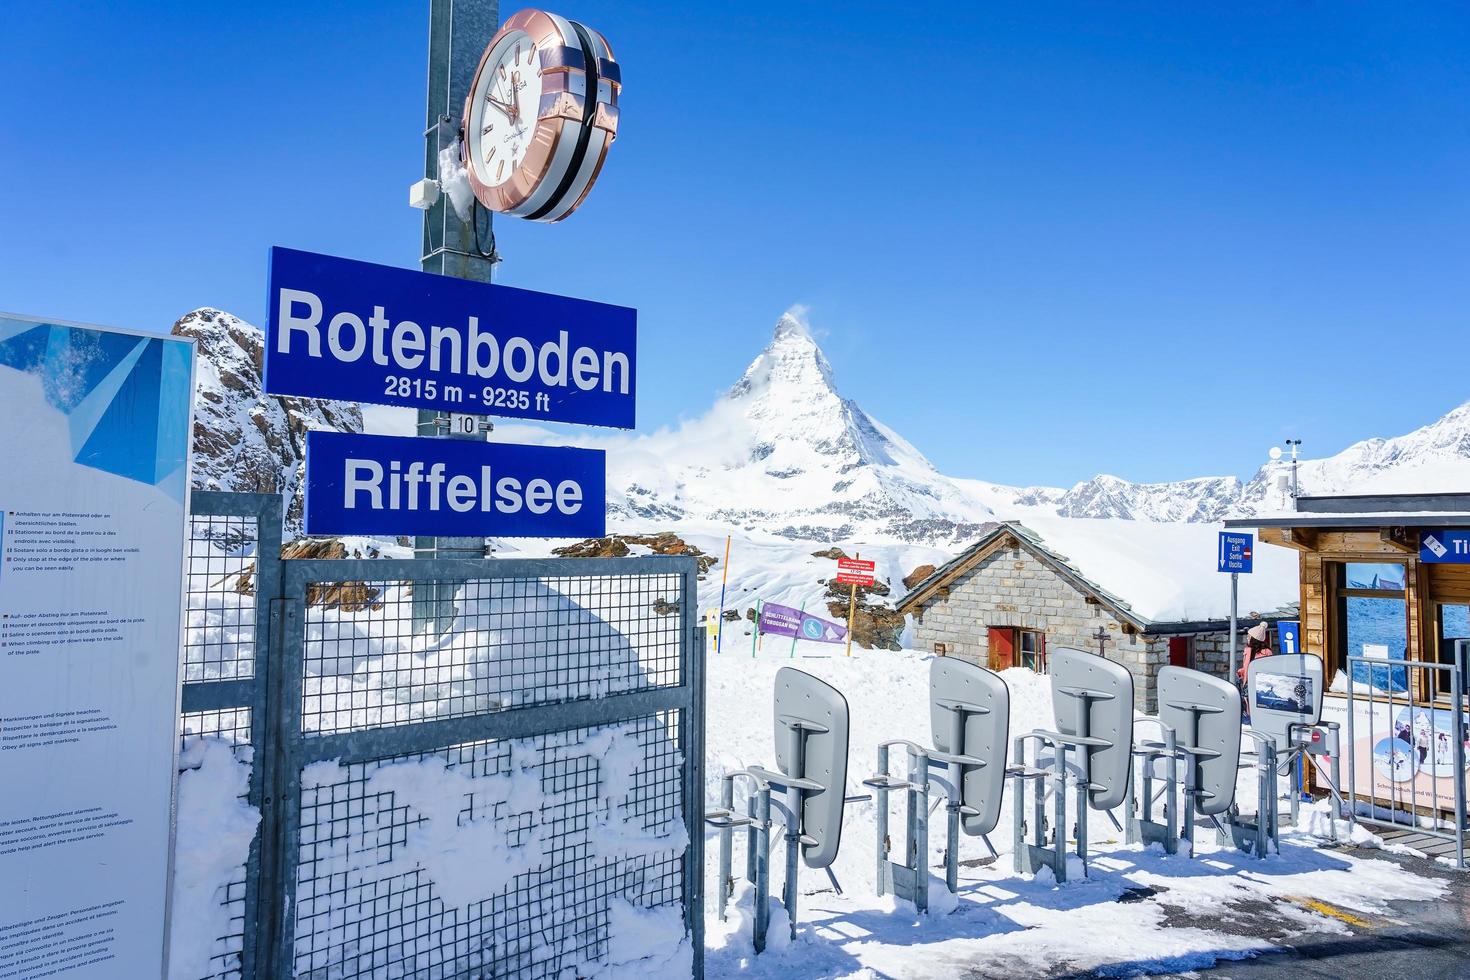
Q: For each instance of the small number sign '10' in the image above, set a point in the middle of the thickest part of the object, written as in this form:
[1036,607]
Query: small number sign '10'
[463,425]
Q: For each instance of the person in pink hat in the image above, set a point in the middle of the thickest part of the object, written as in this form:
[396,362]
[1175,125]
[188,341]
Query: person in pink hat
[1255,646]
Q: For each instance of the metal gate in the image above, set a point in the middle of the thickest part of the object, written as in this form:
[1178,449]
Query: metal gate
[1411,741]
[508,798]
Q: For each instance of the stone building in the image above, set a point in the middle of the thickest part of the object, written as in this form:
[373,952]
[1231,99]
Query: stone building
[1152,589]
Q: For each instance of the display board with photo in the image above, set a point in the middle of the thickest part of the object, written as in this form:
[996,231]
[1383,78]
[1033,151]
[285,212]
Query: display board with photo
[1285,692]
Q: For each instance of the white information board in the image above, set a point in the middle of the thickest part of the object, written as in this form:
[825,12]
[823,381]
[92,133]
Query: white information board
[93,497]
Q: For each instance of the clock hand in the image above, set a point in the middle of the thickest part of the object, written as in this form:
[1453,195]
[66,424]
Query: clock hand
[505,107]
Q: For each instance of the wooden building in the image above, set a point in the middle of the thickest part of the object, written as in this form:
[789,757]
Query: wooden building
[1369,548]
[1385,578]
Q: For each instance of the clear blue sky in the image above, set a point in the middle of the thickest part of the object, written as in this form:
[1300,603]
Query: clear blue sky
[1039,240]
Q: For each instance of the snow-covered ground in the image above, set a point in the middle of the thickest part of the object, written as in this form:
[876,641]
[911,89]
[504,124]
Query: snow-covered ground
[1001,924]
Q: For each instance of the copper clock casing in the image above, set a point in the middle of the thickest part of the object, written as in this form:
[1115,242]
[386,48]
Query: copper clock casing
[550,181]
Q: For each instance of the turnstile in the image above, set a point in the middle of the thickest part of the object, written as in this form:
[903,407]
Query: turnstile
[969,714]
[1089,755]
[809,783]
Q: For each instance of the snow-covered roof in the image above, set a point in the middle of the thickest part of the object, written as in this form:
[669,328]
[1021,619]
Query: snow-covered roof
[1370,510]
[1152,574]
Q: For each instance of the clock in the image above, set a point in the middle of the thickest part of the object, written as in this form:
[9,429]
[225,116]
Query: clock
[540,117]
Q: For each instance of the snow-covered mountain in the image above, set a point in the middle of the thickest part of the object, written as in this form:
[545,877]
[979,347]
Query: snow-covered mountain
[784,455]
[245,440]
[1435,458]
[783,452]
[1204,499]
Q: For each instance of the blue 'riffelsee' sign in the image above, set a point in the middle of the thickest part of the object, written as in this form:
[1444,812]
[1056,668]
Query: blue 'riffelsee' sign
[1445,547]
[391,485]
[355,331]
[1236,552]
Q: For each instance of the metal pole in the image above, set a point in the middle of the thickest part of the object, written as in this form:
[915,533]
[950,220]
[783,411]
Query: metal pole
[851,608]
[762,868]
[1461,648]
[1234,638]
[458,33]
[727,803]
[1018,805]
[919,775]
[756,635]
[881,826]
[1352,780]
[797,634]
[1059,828]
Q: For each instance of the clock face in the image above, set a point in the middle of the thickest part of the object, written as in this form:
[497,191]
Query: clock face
[504,109]
[540,116]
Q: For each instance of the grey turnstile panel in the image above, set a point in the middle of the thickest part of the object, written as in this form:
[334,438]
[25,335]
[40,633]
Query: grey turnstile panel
[1214,730]
[1108,718]
[985,705]
[1285,690]
[803,698]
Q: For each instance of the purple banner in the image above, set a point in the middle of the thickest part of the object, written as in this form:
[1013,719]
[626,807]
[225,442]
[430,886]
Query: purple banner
[778,620]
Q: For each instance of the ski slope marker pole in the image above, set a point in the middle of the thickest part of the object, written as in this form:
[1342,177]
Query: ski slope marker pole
[724,578]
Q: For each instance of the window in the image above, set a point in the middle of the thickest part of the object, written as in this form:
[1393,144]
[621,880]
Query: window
[1373,621]
[1453,625]
[1011,647]
[1033,651]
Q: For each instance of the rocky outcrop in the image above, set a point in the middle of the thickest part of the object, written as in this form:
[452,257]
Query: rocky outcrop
[917,575]
[348,596]
[244,439]
[875,624]
[621,546]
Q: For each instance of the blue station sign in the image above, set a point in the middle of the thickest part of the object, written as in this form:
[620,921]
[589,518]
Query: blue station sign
[355,331]
[1445,546]
[1289,636]
[1236,552]
[391,485]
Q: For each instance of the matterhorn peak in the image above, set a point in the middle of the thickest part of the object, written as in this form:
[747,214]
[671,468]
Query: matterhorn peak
[792,361]
[793,324]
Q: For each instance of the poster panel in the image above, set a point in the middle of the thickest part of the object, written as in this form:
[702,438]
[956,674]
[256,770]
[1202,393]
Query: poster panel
[93,499]
[1403,755]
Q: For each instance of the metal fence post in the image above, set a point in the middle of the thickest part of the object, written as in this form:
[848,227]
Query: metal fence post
[212,705]
[285,688]
[692,745]
[1457,712]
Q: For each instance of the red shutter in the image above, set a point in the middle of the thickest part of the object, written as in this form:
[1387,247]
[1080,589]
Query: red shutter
[1002,647]
[1041,653]
[1178,651]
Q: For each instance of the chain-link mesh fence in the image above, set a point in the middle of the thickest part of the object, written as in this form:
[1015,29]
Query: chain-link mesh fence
[514,795]
[422,853]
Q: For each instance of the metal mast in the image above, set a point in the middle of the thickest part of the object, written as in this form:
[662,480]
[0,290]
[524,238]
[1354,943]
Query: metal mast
[458,33]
